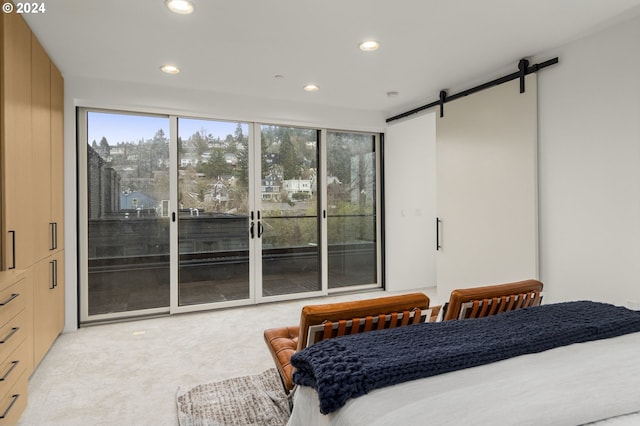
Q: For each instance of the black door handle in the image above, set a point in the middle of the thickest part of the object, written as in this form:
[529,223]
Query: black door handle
[54,236]
[13,249]
[438,245]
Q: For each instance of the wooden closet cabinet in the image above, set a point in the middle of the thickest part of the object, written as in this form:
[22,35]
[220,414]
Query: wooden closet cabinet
[31,210]
[48,303]
[15,142]
[41,148]
[15,333]
[57,159]
[47,152]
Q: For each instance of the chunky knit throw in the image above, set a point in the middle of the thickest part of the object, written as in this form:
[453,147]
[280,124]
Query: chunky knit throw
[350,366]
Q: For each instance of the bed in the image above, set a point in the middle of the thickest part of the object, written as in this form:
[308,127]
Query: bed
[575,363]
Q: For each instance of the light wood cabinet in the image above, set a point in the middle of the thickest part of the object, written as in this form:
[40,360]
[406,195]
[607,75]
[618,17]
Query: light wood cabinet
[57,158]
[15,139]
[31,210]
[48,303]
[15,334]
[47,152]
[41,149]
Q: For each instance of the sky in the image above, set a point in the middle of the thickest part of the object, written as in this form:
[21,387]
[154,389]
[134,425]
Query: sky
[131,128]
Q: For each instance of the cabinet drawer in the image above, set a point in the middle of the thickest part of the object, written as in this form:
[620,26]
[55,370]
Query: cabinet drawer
[13,403]
[12,368]
[12,301]
[12,334]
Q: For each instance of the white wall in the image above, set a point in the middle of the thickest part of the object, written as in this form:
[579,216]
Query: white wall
[147,98]
[410,182]
[589,159]
[589,173]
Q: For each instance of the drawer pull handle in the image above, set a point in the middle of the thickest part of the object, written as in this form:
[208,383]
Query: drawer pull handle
[6,302]
[13,365]
[8,336]
[14,398]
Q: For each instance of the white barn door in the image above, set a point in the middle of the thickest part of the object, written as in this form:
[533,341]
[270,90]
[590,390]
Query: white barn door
[486,154]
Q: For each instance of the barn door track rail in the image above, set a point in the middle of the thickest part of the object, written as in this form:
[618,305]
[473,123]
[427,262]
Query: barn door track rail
[523,70]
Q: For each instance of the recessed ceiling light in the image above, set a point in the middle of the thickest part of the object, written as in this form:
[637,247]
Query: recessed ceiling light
[369,45]
[183,7]
[311,88]
[170,69]
[392,94]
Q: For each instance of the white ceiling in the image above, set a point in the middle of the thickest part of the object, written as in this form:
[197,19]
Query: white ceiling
[238,46]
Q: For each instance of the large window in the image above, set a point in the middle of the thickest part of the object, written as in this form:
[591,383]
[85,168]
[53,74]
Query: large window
[289,210]
[351,209]
[213,211]
[127,164]
[182,213]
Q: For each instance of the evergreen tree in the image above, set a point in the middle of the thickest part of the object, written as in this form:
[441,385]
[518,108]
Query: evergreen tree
[104,145]
[238,136]
[199,142]
[289,158]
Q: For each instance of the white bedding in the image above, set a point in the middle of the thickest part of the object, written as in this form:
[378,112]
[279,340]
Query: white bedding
[571,385]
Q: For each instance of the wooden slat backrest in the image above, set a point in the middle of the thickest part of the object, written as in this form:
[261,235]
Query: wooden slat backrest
[317,314]
[494,299]
[486,307]
[361,325]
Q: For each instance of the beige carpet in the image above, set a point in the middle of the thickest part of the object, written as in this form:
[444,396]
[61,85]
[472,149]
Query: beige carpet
[257,399]
[128,373]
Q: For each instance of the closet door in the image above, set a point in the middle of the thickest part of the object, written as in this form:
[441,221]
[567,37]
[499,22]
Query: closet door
[41,149]
[486,147]
[15,137]
[57,159]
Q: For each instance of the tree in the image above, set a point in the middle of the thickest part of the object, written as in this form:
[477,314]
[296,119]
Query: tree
[289,158]
[181,149]
[216,166]
[238,136]
[200,142]
[159,151]
[104,145]
[243,168]
[159,137]
[339,156]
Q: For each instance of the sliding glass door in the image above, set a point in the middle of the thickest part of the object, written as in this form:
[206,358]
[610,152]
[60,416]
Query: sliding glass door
[288,213]
[213,211]
[352,226]
[126,257]
[180,214]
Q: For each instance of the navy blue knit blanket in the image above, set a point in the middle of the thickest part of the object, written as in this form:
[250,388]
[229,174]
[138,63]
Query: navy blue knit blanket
[350,366]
